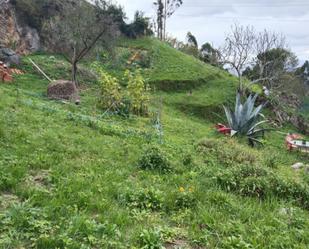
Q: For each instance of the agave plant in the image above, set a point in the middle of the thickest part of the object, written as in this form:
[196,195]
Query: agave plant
[246,119]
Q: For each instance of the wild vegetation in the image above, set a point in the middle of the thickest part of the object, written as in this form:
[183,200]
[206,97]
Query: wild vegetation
[71,178]
[139,164]
[246,120]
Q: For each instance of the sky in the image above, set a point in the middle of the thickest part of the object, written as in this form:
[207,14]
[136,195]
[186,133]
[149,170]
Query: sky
[211,20]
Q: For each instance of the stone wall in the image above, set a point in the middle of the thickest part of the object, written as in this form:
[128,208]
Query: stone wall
[3,22]
[14,34]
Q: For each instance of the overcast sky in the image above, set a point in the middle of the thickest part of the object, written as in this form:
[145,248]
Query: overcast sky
[210,20]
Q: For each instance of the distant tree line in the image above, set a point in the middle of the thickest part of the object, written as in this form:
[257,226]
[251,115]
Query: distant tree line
[206,53]
[139,27]
[261,58]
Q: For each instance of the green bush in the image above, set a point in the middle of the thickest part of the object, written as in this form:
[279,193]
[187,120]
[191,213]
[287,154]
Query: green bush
[137,92]
[228,151]
[154,159]
[257,182]
[235,242]
[110,94]
[187,159]
[185,199]
[145,199]
[7,181]
[151,239]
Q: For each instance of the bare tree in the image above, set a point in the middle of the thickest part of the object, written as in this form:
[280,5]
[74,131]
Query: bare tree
[238,50]
[272,60]
[263,56]
[80,29]
[170,6]
[160,18]
[165,9]
[264,42]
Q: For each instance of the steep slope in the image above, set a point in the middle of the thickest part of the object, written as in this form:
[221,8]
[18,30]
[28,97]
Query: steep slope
[172,69]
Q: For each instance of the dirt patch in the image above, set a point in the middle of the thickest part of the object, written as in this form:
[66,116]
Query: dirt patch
[177,244]
[40,179]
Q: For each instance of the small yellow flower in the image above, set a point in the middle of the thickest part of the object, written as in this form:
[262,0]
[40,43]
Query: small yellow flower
[191,189]
[181,189]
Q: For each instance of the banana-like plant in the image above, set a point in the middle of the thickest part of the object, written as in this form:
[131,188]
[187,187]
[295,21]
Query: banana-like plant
[246,119]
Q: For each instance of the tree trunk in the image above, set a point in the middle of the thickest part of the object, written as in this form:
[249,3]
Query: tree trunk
[164,20]
[240,85]
[74,72]
[160,19]
[74,67]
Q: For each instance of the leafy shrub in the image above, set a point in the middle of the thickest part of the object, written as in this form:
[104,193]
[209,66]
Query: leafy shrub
[235,242]
[154,159]
[246,180]
[151,239]
[290,190]
[81,232]
[187,159]
[185,199]
[252,186]
[7,181]
[110,94]
[138,92]
[257,182]
[134,100]
[228,152]
[148,199]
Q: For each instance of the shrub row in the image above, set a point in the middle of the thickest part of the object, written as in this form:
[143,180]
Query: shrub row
[254,181]
[155,200]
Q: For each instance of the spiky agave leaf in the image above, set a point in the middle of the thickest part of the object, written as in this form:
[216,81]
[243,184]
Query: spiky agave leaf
[245,119]
[256,125]
[229,116]
[238,111]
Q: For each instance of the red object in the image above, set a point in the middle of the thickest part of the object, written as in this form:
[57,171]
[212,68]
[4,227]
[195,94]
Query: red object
[5,73]
[7,77]
[223,129]
[289,141]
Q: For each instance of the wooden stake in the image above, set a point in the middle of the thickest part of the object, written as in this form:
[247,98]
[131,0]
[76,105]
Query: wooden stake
[40,70]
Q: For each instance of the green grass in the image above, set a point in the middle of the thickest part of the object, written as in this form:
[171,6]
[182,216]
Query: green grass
[172,70]
[70,177]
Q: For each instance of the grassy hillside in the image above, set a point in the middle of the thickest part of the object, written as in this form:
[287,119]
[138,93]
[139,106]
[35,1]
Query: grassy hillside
[168,68]
[71,177]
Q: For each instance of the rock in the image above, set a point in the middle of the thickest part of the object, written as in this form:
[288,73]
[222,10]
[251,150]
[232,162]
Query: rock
[297,166]
[8,56]
[63,90]
[16,30]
